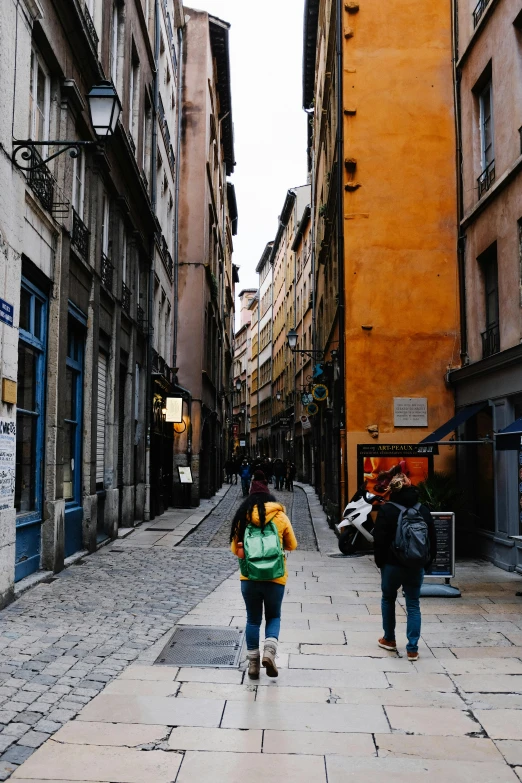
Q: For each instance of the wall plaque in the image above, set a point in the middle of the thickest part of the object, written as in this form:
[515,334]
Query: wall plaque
[410,411]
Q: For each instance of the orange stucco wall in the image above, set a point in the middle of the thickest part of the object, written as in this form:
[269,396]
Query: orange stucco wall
[400,224]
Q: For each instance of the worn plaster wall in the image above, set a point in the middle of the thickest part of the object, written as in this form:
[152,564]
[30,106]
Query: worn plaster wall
[400,217]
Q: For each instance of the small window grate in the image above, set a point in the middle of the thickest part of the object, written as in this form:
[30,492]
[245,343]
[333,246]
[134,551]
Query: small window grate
[203,647]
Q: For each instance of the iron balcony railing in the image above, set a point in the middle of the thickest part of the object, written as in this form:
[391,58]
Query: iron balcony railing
[479,11]
[125,298]
[486,179]
[41,181]
[107,272]
[490,341]
[80,235]
[90,27]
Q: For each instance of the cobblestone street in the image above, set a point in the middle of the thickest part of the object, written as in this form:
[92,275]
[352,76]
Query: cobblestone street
[341,710]
[65,639]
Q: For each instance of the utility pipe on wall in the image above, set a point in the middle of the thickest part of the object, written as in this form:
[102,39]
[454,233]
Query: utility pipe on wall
[150,331]
[340,250]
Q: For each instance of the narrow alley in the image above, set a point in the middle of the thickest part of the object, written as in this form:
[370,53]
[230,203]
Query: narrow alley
[80,679]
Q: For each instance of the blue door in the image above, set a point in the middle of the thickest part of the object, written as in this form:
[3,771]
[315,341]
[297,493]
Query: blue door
[30,428]
[72,429]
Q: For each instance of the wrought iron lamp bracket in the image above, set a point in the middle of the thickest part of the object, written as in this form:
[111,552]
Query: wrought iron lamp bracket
[24,151]
[311,354]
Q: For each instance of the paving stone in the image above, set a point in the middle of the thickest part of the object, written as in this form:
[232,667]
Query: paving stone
[6,769]
[17,754]
[33,739]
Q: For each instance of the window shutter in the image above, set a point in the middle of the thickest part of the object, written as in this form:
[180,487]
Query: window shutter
[101,418]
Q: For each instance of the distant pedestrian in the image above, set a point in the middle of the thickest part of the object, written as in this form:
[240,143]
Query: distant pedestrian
[279,473]
[290,476]
[245,477]
[260,515]
[229,469]
[394,556]
[259,483]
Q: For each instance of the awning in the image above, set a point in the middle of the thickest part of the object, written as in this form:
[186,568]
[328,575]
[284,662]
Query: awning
[510,438]
[459,418]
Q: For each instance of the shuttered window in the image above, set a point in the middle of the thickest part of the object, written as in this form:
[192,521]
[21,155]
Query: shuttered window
[101,418]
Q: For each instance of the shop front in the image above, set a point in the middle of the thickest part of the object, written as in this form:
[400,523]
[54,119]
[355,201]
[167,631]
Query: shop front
[489,464]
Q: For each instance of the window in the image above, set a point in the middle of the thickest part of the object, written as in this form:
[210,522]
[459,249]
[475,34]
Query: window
[486,125]
[72,424]
[79,183]
[30,427]
[491,335]
[39,98]
[105,225]
[134,96]
[115,44]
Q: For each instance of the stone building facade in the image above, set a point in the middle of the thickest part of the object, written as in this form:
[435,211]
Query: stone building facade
[207,275]
[89,271]
[488,386]
[261,358]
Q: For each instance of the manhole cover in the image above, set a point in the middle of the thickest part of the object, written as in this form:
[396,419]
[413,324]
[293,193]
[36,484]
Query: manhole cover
[197,646]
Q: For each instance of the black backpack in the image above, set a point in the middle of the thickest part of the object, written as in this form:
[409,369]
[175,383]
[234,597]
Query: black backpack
[412,543]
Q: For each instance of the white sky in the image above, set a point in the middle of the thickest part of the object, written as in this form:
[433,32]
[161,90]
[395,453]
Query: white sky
[269,122]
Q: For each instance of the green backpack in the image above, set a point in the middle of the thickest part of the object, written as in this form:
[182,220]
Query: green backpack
[264,558]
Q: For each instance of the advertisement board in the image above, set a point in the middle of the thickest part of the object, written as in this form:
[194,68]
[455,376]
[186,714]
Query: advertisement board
[444,564]
[375,459]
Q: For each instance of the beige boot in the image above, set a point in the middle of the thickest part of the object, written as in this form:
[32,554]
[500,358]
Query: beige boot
[254,664]
[269,657]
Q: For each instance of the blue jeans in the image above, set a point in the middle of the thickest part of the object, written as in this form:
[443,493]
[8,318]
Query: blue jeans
[255,595]
[392,577]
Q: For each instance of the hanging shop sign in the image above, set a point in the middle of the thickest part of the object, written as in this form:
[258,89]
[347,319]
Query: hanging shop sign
[185,475]
[7,463]
[306,398]
[312,409]
[320,392]
[375,461]
[305,423]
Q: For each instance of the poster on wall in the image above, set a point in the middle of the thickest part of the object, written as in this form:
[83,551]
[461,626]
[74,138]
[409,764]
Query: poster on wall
[7,463]
[377,462]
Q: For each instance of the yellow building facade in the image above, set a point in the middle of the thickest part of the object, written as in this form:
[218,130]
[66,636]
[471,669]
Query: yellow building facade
[382,158]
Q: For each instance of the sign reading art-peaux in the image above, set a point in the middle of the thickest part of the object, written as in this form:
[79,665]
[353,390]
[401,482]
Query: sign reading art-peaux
[7,463]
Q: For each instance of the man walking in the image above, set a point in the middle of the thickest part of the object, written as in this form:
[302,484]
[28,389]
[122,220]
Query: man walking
[402,559]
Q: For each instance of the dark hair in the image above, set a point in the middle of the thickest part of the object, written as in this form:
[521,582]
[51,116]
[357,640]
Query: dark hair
[244,513]
[259,476]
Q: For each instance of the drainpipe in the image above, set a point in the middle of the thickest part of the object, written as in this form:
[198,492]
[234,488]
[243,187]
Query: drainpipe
[340,250]
[314,340]
[181,41]
[147,507]
[461,242]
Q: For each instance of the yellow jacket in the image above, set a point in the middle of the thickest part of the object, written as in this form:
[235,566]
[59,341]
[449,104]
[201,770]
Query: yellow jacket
[275,513]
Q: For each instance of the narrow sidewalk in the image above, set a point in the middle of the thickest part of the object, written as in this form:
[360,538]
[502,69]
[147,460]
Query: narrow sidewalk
[341,710]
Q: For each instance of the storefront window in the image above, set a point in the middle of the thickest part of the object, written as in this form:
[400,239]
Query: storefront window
[29,421]
[72,414]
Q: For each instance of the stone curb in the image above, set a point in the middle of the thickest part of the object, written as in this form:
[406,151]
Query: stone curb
[325,537]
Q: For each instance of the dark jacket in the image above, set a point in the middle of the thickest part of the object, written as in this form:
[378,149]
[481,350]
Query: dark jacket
[386,526]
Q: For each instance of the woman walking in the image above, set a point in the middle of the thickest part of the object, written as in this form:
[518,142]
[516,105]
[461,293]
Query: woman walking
[262,512]
[395,571]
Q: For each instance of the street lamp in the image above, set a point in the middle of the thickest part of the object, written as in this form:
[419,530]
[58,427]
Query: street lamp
[278,396]
[239,385]
[291,338]
[104,110]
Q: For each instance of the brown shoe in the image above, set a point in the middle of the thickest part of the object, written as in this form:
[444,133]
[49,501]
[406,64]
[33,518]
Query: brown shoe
[254,667]
[413,656]
[386,645]
[269,655]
